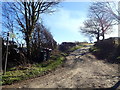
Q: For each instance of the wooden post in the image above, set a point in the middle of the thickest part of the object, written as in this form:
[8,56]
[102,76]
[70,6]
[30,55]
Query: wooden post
[6,54]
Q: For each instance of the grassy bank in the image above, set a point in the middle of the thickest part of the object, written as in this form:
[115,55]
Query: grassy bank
[107,51]
[31,70]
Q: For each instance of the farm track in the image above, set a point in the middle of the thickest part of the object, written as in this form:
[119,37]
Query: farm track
[81,70]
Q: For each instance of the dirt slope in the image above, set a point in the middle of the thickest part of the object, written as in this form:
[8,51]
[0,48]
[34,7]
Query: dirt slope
[81,70]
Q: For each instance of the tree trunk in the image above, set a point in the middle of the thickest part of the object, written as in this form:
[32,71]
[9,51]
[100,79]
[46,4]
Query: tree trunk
[28,47]
[103,36]
[98,36]
[27,32]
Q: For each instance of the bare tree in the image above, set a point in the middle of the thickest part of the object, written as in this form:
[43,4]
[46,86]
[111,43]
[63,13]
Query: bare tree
[112,8]
[91,28]
[27,14]
[99,22]
[42,37]
[7,21]
[48,40]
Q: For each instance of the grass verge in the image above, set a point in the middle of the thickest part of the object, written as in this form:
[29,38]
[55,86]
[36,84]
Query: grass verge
[17,74]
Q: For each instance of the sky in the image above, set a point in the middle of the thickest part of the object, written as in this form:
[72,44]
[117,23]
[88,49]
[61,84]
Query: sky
[65,23]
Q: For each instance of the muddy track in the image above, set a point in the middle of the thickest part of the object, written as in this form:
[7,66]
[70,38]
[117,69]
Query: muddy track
[81,70]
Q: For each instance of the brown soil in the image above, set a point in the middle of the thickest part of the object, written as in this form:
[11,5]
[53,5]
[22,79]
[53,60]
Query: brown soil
[81,70]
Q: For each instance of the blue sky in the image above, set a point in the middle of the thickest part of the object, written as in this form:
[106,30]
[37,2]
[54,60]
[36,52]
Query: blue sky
[64,24]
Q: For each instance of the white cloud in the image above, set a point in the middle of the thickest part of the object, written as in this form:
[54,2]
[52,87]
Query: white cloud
[65,25]
[114,32]
[65,20]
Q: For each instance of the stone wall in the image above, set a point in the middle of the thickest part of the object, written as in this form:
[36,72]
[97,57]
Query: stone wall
[66,45]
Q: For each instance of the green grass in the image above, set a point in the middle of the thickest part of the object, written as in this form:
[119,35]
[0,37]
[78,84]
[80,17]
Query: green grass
[75,48]
[94,49]
[64,54]
[118,58]
[34,70]
[79,46]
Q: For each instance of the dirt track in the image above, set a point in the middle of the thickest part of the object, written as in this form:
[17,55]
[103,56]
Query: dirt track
[81,70]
